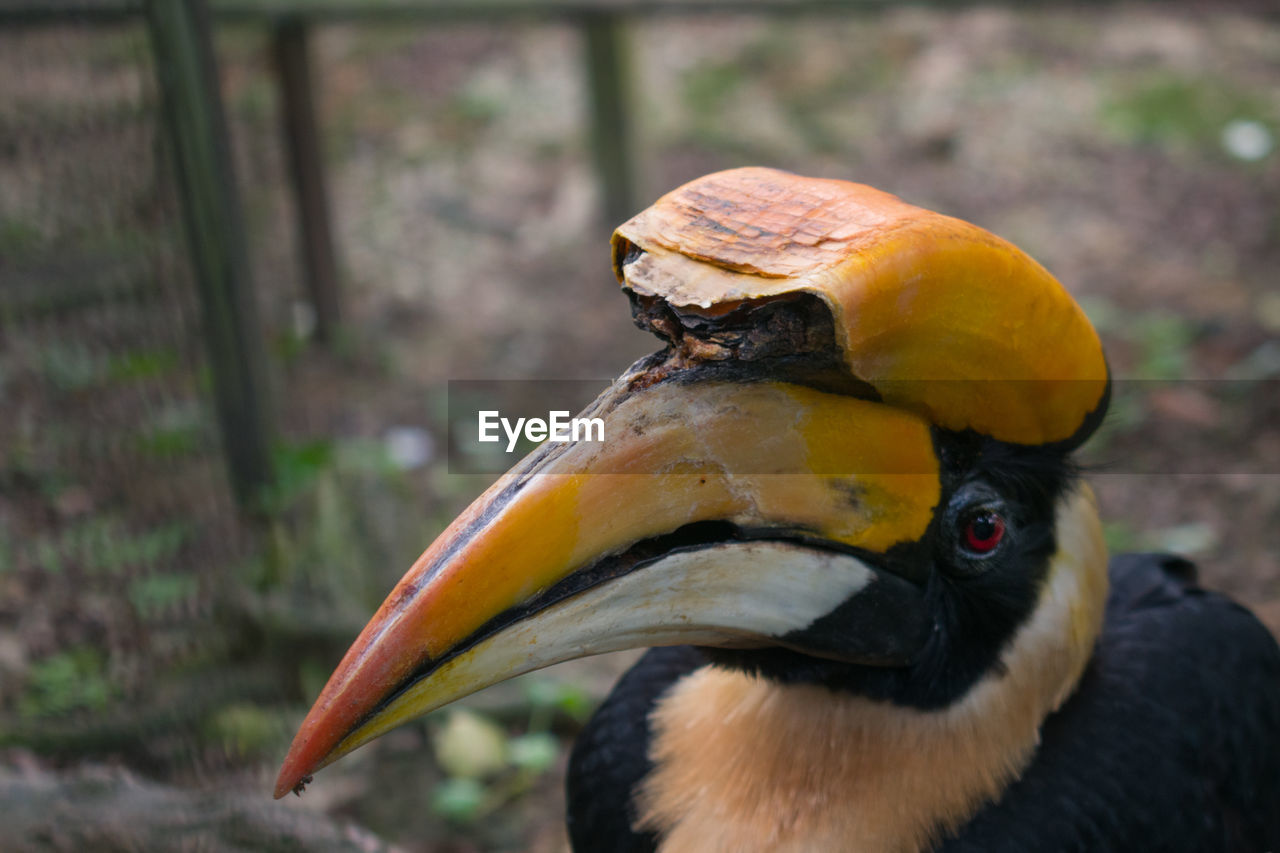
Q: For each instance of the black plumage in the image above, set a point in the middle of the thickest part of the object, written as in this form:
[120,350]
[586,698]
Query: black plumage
[1168,744]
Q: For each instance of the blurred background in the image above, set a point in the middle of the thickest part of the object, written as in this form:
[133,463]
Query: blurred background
[234,283]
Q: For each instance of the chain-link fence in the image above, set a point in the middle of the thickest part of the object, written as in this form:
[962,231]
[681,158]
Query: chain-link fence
[116,527]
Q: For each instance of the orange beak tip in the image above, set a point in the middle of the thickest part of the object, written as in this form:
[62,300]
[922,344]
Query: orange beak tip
[295,771]
[286,784]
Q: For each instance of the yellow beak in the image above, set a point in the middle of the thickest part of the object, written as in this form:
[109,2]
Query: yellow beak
[713,513]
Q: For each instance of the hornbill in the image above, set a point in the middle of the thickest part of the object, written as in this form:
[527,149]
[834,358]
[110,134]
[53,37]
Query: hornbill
[840,504]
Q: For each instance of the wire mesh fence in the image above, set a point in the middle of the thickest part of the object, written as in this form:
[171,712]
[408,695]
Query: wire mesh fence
[138,597]
[117,524]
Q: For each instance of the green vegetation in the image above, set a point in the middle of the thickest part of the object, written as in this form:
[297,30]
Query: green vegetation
[103,545]
[1179,110]
[247,731]
[137,365]
[1164,340]
[707,88]
[152,595]
[6,549]
[339,529]
[19,237]
[72,680]
[70,367]
[171,442]
[177,430]
[297,468]
[1120,536]
[1192,539]
[485,766]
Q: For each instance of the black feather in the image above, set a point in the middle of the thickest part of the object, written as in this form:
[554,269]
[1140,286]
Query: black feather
[1171,742]
[610,757]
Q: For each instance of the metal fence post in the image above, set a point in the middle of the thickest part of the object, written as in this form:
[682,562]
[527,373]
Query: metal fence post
[608,70]
[306,169]
[184,63]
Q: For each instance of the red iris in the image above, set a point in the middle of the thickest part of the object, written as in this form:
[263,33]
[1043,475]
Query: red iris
[983,532]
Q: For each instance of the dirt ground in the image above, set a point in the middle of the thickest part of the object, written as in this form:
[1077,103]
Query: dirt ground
[1132,152]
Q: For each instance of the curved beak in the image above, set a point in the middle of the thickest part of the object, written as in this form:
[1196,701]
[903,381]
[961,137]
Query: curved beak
[712,513]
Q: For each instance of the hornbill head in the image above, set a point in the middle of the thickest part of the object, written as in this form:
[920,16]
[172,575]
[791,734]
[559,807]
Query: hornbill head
[848,467]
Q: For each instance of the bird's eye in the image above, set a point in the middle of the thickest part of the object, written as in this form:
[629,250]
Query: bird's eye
[982,531]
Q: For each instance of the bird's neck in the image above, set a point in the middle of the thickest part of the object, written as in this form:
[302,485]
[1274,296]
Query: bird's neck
[743,764]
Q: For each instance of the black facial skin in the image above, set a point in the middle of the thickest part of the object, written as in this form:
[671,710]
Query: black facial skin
[977,602]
